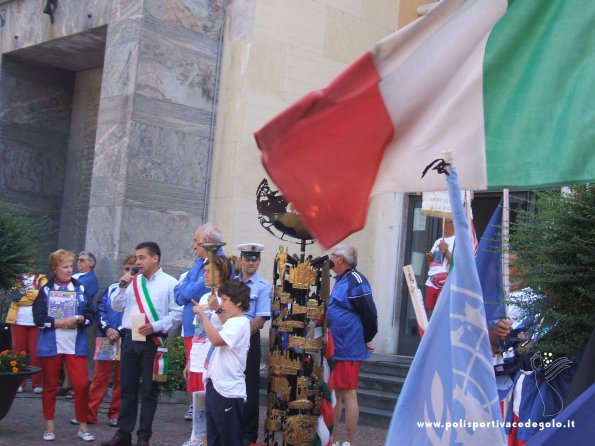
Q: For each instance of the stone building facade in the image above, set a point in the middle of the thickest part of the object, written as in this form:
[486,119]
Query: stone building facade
[130,120]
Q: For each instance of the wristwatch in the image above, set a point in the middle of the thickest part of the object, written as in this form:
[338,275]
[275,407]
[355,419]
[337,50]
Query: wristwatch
[219,310]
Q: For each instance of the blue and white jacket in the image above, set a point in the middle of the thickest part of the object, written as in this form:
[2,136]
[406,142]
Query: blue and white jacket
[351,309]
[107,317]
[192,286]
[46,343]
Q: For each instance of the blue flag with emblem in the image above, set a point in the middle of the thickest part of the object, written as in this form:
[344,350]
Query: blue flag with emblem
[450,396]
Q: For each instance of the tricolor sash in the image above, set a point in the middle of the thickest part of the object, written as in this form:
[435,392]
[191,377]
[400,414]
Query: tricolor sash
[145,305]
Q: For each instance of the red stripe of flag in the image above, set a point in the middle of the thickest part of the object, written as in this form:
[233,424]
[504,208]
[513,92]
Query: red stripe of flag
[330,188]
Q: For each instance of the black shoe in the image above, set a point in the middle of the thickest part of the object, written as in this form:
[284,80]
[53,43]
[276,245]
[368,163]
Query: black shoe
[117,441]
[142,442]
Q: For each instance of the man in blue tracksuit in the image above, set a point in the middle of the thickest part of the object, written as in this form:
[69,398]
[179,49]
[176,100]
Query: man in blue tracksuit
[353,322]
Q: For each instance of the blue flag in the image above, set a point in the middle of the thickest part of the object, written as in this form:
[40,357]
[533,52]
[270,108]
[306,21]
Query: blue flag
[489,267]
[574,425]
[449,396]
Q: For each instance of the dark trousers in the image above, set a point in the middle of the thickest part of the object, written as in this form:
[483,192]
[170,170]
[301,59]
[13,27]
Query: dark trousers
[137,364]
[252,373]
[225,417]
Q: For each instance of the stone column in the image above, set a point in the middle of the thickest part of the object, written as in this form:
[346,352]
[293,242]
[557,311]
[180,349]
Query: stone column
[153,145]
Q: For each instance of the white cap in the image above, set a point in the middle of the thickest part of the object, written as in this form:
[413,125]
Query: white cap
[251,250]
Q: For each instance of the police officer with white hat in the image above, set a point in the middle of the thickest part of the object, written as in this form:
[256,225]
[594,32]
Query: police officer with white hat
[258,313]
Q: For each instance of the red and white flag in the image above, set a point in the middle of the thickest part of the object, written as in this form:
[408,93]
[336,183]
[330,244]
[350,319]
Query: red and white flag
[506,86]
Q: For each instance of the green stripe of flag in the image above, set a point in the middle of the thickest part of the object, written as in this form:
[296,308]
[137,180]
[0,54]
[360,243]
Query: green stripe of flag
[148,299]
[539,85]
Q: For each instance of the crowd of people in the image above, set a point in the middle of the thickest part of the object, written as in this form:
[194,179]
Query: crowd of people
[221,303]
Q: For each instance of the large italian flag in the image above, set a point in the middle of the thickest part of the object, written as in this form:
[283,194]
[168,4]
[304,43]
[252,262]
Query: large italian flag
[508,87]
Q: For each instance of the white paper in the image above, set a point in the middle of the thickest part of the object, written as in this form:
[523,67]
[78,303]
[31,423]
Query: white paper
[137,321]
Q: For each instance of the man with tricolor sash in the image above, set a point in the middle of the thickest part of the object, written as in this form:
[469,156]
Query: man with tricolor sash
[150,312]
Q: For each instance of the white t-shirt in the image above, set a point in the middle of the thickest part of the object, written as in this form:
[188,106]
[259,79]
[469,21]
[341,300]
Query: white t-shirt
[227,363]
[200,342]
[440,263]
[25,312]
[25,316]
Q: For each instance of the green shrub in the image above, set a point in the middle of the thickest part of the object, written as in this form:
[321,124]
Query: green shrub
[18,246]
[177,362]
[555,247]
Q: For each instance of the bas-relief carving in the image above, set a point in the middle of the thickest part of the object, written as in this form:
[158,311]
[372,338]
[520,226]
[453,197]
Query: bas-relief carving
[150,157]
[204,16]
[176,74]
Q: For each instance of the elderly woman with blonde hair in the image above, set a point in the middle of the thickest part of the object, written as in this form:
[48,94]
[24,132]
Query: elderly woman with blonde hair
[63,313]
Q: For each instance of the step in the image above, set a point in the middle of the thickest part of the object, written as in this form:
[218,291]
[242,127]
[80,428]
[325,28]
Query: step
[375,417]
[376,399]
[384,383]
[391,365]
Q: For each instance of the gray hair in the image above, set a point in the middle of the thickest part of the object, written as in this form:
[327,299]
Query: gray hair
[91,257]
[348,252]
[211,233]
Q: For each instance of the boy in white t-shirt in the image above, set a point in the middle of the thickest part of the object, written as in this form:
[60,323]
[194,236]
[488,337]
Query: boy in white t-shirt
[225,365]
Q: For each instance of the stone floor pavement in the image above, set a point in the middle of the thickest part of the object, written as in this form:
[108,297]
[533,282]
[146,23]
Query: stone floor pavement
[24,425]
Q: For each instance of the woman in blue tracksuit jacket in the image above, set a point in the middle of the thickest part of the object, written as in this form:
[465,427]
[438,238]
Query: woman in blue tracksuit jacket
[63,313]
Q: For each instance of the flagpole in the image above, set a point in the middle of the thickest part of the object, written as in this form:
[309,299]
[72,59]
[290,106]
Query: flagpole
[505,240]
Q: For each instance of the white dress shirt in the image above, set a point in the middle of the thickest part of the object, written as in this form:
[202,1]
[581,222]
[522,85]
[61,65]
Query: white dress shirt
[161,289]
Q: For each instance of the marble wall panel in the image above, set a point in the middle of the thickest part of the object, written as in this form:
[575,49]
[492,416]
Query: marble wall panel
[27,25]
[177,74]
[79,170]
[26,165]
[103,239]
[115,110]
[107,190]
[111,146]
[125,9]
[33,140]
[202,16]
[168,156]
[121,58]
[36,96]
[169,230]
[178,117]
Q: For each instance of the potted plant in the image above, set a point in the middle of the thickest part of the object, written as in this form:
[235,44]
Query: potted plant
[14,367]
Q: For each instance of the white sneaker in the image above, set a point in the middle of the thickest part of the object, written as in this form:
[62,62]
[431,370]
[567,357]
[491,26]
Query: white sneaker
[49,436]
[38,390]
[188,416]
[192,443]
[20,389]
[86,436]
[346,443]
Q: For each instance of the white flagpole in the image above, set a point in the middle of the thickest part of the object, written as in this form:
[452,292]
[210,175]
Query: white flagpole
[505,240]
